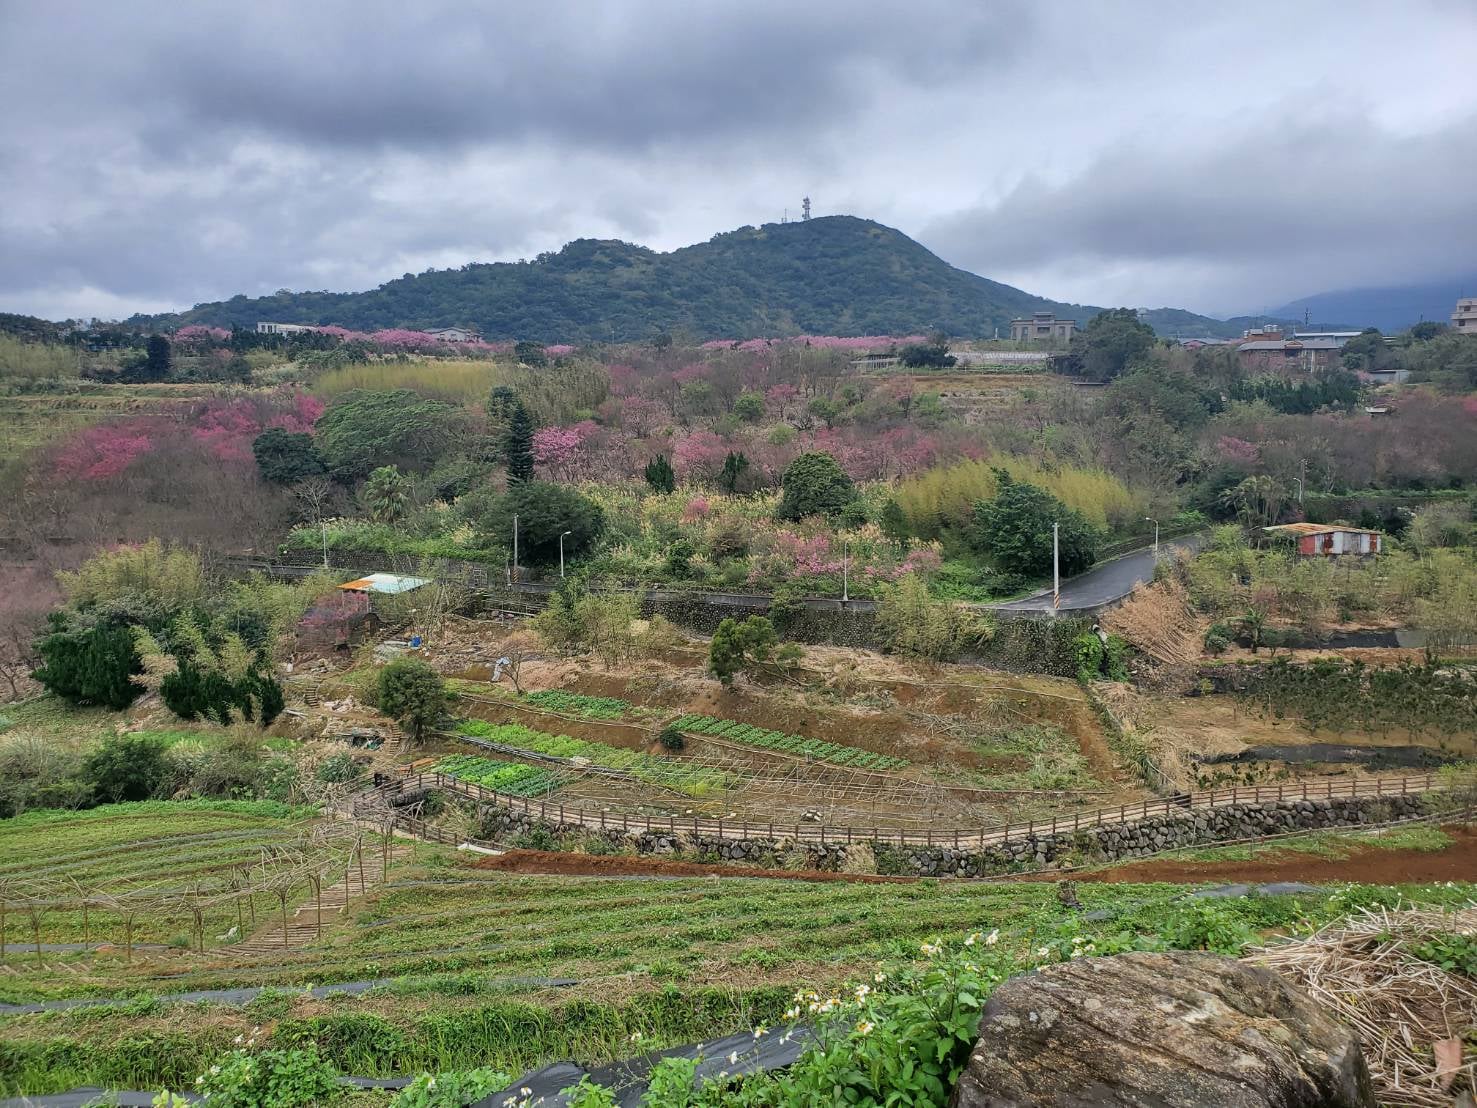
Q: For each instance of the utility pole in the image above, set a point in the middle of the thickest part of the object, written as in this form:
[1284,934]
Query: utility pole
[1056,566]
[561,553]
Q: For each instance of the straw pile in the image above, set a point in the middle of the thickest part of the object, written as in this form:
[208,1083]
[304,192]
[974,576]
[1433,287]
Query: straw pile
[1363,970]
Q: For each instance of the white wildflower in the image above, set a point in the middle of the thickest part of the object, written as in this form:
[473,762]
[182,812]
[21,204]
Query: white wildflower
[865,1027]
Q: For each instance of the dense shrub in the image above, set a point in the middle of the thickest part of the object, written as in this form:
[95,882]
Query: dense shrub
[128,767]
[89,659]
[413,693]
[738,647]
[545,511]
[815,484]
[1015,531]
[286,457]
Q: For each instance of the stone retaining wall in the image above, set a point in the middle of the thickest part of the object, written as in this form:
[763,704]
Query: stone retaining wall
[1100,843]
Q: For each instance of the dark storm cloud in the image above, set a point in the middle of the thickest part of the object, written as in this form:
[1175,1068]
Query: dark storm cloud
[1347,199]
[430,74]
[158,154]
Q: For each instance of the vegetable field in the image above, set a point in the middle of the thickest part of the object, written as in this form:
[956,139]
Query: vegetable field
[786,744]
[510,778]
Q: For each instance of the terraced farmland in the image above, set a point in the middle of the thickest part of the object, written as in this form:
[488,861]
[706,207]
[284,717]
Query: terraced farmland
[689,780]
[765,739]
[125,861]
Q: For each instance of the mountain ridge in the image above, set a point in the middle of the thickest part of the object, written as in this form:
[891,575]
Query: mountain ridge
[839,275]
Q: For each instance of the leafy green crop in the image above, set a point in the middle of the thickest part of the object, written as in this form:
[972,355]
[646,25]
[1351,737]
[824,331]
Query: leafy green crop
[819,749]
[669,773]
[511,778]
[576,704]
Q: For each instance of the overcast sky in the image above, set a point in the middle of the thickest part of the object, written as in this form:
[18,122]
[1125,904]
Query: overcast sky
[1219,157]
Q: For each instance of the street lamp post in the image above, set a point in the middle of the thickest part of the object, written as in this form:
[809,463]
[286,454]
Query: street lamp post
[323,526]
[1155,522]
[561,554]
[515,550]
[845,570]
[1056,567]
[1299,480]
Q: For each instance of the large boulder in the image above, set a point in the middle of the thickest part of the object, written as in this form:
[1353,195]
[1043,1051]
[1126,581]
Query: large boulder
[1160,1031]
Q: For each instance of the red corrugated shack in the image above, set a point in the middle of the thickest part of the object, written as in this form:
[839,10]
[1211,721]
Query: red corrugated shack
[1329,539]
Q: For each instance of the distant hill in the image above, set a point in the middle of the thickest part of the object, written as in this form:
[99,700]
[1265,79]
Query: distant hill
[835,275]
[1391,308]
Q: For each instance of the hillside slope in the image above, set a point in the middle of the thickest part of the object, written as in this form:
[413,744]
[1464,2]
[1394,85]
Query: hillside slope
[836,275]
[1391,308]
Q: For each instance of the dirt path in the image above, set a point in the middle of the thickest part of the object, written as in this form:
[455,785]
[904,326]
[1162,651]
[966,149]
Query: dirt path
[1370,865]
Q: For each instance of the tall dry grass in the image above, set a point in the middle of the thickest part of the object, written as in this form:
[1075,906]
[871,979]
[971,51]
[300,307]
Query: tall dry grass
[455,382]
[32,360]
[947,495]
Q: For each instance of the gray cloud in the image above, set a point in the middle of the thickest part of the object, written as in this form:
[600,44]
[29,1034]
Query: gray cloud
[1345,202]
[153,154]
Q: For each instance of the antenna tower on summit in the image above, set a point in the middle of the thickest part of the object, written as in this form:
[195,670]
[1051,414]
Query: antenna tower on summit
[805,208]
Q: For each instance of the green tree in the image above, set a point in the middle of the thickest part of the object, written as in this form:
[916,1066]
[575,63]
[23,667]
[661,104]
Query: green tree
[1014,530]
[815,484]
[531,354]
[933,354]
[1257,500]
[734,468]
[749,407]
[894,523]
[128,767]
[825,409]
[413,693]
[660,475]
[500,404]
[363,430]
[545,511]
[1369,351]
[158,359]
[1112,342]
[286,457]
[518,445]
[88,658]
[741,647]
[386,495]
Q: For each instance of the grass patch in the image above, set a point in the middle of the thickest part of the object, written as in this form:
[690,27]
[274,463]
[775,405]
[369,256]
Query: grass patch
[1322,844]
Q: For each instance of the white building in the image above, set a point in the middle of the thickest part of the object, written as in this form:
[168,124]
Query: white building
[283,328]
[1464,319]
[455,334]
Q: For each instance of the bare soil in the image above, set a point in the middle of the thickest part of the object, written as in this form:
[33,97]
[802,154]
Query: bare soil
[559,863]
[1369,865]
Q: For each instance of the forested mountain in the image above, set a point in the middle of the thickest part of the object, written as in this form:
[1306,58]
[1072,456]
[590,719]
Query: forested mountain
[1391,309]
[835,275]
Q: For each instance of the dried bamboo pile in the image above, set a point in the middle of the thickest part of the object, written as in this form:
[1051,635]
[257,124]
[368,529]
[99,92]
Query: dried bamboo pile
[1158,621]
[1363,970]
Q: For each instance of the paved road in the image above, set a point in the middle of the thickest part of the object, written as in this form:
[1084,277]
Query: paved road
[1102,585]
[1105,583]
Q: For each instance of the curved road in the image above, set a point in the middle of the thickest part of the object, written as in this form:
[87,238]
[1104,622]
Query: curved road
[1105,583]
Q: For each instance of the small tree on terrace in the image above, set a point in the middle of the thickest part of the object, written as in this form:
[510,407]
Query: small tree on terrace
[741,647]
[815,484]
[660,475]
[413,693]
